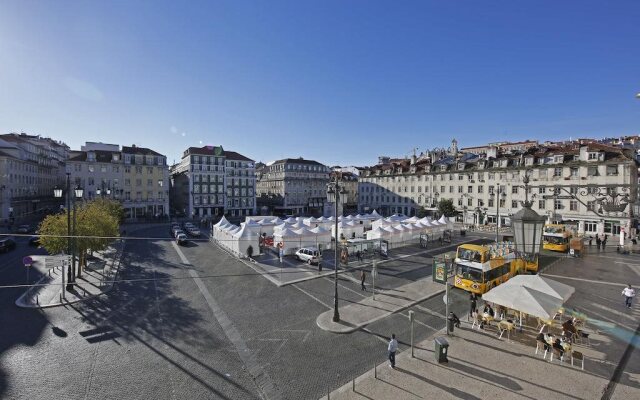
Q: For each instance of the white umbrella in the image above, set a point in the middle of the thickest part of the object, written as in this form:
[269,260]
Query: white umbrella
[544,285]
[525,300]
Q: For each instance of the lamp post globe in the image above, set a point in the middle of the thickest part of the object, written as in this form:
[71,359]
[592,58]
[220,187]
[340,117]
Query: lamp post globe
[527,232]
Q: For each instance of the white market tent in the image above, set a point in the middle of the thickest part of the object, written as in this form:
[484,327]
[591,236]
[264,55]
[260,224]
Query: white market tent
[544,285]
[322,237]
[288,238]
[374,214]
[246,236]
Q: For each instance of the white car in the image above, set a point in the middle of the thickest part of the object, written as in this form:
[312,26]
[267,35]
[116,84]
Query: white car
[309,254]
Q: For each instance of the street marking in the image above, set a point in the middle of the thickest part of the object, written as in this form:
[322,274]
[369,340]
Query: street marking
[260,377]
[312,296]
[586,280]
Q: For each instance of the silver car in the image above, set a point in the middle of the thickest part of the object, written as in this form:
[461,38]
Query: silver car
[309,254]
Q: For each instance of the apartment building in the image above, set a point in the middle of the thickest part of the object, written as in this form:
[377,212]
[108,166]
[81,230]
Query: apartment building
[210,181]
[30,167]
[138,177]
[348,178]
[292,186]
[488,188]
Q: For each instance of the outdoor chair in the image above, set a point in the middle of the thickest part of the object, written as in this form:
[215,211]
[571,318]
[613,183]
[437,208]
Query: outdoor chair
[582,337]
[576,355]
[476,320]
[505,326]
[556,352]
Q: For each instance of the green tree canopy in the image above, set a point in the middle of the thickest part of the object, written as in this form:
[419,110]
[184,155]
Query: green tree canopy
[446,208]
[97,224]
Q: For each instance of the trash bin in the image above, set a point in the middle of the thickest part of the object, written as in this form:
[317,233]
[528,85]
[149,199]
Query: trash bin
[441,349]
[463,232]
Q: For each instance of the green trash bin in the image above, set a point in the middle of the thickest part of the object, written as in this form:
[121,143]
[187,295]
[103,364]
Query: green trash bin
[441,349]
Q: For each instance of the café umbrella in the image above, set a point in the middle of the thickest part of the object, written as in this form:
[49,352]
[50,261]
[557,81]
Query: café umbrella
[524,299]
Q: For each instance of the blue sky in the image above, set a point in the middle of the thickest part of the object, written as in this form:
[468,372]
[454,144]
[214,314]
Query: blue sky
[338,81]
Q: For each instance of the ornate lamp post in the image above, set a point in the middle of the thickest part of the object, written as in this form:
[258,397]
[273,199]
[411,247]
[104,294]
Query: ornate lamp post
[496,195]
[334,191]
[57,192]
[78,192]
[527,228]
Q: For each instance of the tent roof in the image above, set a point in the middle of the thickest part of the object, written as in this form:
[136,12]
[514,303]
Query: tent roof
[286,232]
[544,285]
[222,221]
[290,220]
[524,299]
[443,219]
[319,230]
[374,213]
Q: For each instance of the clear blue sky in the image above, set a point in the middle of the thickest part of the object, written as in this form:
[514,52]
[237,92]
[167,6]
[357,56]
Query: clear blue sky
[341,82]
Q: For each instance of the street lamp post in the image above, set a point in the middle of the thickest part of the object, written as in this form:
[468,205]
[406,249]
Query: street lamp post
[57,192]
[335,190]
[527,228]
[78,193]
[496,196]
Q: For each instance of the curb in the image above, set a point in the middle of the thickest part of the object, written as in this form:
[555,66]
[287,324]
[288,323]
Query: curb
[363,324]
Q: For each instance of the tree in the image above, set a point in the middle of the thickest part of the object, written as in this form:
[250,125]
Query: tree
[97,225]
[112,207]
[446,208]
[421,213]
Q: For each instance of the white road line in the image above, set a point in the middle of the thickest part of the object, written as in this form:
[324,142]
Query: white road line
[260,377]
[586,280]
[312,296]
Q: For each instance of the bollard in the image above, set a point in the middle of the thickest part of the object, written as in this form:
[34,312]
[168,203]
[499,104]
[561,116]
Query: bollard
[353,385]
[328,394]
[375,371]
[37,300]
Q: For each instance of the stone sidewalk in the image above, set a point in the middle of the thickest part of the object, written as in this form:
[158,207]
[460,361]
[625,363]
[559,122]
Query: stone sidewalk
[97,278]
[357,315]
[480,366]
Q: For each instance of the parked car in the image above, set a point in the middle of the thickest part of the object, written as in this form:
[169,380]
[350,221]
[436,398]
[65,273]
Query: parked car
[34,241]
[309,254]
[188,225]
[177,232]
[24,229]
[7,244]
[195,232]
[182,239]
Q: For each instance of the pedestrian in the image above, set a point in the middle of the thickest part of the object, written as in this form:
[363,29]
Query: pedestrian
[604,242]
[319,266]
[473,298]
[392,348]
[358,255]
[629,293]
[363,276]
[598,242]
[453,317]
[590,240]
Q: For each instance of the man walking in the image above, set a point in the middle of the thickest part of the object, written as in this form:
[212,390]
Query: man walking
[598,241]
[629,293]
[363,276]
[392,348]
[604,242]
[473,298]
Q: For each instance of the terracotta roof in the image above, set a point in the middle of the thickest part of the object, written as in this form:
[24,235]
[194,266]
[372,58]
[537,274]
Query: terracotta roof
[297,161]
[206,151]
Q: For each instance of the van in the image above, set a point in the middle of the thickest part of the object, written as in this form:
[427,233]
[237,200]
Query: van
[309,254]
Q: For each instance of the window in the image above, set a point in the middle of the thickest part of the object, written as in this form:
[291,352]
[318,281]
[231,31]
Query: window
[469,189]
[557,204]
[557,172]
[590,226]
[542,189]
[592,171]
[450,189]
[591,205]
[573,171]
[138,182]
[460,177]
[460,189]
[459,202]
[150,170]
[490,202]
[573,205]
[138,170]
[612,170]
[541,204]
[469,202]
[514,190]
[149,182]
[492,176]
[514,203]
[480,189]
[127,182]
[503,202]
[593,156]
[103,169]
[490,189]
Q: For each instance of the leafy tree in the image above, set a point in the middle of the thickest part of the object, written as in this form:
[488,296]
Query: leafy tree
[421,213]
[446,208]
[96,226]
[112,207]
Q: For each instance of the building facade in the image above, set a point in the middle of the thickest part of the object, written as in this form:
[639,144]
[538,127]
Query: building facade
[210,182]
[567,183]
[30,168]
[138,177]
[292,186]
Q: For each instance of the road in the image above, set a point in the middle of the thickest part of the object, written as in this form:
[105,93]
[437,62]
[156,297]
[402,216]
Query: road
[194,322]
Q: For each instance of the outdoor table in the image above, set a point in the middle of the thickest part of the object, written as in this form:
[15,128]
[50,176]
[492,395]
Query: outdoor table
[505,325]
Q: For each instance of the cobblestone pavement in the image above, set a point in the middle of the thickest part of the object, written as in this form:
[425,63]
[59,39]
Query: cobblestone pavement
[198,323]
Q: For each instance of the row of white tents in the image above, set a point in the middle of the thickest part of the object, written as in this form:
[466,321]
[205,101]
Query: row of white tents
[295,233]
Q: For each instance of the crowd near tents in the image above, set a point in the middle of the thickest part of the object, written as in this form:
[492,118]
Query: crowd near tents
[293,233]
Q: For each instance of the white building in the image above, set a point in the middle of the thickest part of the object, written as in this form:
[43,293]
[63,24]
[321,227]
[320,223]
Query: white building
[586,172]
[210,181]
[30,167]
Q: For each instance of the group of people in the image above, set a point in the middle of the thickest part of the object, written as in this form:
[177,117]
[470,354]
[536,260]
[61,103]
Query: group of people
[600,242]
[473,309]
